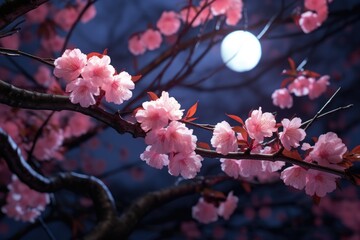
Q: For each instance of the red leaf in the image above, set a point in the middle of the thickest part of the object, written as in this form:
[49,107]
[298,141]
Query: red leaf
[191,111]
[356,150]
[242,131]
[292,154]
[236,118]
[136,78]
[203,145]
[292,64]
[105,52]
[152,96]
[190,119]
[89,55]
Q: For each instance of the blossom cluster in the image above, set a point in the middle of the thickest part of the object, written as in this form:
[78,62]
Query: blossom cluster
[300,86]
[207,212]
[23,203]
[170,142]
[328,151]
[86,75]
[316,14]
[170,21]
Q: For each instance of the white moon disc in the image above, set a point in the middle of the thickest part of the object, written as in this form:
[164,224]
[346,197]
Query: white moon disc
[240,51]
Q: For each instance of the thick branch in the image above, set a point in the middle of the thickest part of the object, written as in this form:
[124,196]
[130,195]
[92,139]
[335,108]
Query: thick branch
[77,183]
[130,218]
[11,10]
[20,98]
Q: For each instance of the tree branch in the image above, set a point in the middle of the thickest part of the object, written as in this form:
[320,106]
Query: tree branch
[77,183]
[11,10]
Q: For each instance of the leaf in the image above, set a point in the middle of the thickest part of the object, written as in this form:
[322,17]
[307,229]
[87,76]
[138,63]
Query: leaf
[242,131]
[136,78]
[105,52]
[190,119]
[92,54]
[236,118]
[152,96]
[356,150]
[203,145]
[286,81]
[292,64]
[292,154]
[191,111]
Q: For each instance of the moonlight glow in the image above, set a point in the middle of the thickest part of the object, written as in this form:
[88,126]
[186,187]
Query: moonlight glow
[240,51]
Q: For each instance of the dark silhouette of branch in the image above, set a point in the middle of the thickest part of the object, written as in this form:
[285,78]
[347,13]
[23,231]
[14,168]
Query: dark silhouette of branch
[131,217]
[77,183]
[20,98]
[11,10]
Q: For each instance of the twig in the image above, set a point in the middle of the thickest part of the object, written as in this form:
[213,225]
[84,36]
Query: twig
[14,52]
[46,229]
[319,112]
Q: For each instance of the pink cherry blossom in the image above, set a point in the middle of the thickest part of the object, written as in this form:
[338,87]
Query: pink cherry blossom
[234,12]
[319,183]
[156,114]
[300,86]
[153,116]
[151,39]
[12,41]
[171,105]
[292,133]
[154,159]
[318,87]
[309,21]
[260,125]
[38,15]
[230,167]
[54,43]
[329,149]
[282,98]
[118,89]
[66,17]
[77,125]
[219,7]
[83,92]
[23,203]
[169,23]
[48,145]
[250,168]
[43,76]
[136,45]
[90,12]
[268,166]
[204,212]
[322,13]
[99,71]
[185,164]
[224,139]
[227,208]
[190,16]
[314,4]
[190,230]
[204,12]
[70,65]
[175,138]
[294,176]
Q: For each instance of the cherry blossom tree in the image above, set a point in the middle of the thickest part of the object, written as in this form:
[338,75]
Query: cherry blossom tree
[121,121]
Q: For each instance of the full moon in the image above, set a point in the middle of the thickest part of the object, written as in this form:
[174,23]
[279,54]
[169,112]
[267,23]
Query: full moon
[240,51]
